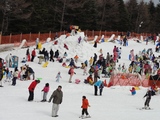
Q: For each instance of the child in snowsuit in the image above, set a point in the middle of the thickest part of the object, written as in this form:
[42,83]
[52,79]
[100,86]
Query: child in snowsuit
[45,92]
[58,77]
[148,98]
[133,91]
[85,105]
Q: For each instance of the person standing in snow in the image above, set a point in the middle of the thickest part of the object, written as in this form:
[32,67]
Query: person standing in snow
[1,71]
[57,97]
[31,89]
[33,55]
[28,55]
[71,73]
[148,98]
[51,55]
[85,105]
[45,92]
[58,77]
[15,76]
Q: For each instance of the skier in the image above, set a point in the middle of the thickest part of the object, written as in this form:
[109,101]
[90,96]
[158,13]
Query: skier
[85,105]
[148,98]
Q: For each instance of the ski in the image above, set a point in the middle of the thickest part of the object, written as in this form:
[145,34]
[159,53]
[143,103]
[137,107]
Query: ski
[145,108]
[84,117]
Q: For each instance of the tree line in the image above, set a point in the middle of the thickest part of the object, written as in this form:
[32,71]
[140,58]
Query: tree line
[25,16]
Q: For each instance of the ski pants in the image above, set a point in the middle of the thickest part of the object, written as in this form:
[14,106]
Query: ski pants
[147,102]
[95,90]
[45,96]
[84,111]
[31,95]
[55,108]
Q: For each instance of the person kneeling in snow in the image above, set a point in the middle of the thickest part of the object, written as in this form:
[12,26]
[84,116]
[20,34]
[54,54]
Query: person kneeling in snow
[133,91]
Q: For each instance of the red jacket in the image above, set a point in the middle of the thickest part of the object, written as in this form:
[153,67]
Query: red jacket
[32,85]
[85,103]
[45,89]
[34,53]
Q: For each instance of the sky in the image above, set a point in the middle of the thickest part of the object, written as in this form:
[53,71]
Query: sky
[116,102]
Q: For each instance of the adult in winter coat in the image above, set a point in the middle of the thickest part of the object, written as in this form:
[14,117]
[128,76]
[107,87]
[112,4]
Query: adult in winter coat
[30,72]
[33,55]
[1,71]
[85,105]
[31,89]
[95,80]
[56,54]
[15,76]
[28,55]
[94,58]
[148,98]
[51,55]
[57,97]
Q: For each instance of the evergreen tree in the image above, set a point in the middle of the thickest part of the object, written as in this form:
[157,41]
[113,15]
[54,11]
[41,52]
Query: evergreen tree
[123,17]
[108,15]
[157,19]
[152,11]
[132,8]
[14,10]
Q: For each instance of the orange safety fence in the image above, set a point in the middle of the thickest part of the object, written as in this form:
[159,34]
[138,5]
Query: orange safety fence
[43,36]
[128,79]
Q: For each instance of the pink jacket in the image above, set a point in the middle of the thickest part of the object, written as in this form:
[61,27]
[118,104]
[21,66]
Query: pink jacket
[45,89]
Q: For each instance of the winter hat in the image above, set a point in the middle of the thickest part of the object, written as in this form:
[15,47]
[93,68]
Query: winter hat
[84,97]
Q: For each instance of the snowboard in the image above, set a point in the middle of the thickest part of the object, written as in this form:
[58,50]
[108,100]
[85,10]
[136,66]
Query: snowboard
[1,86]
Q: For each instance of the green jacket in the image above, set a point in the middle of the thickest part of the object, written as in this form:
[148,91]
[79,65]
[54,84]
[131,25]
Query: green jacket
[57,97]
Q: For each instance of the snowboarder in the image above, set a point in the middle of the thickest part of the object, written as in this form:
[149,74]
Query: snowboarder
[85,105]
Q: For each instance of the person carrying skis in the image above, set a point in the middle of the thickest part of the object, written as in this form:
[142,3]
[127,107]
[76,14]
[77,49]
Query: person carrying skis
[148,98]
[85,105]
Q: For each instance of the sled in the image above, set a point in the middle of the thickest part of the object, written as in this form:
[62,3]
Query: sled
[45,64]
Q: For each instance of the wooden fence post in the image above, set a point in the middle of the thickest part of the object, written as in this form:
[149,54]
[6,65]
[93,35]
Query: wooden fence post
[20,37]
[100,33]
[39,35]
[10,37]
[92,33]
[0,37]
[30,36]
[50,34]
